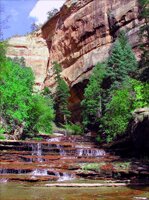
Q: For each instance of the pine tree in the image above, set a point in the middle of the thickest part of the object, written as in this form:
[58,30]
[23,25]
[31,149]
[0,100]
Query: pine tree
[92,103]
[144,40]
[121,63]
[62,96]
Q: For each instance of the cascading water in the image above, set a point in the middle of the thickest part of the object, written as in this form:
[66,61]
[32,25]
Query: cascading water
[40,172]
[37,151]
[90,152]
[3,180]
[41,160]
[56,139]
[64,176]
[62,152]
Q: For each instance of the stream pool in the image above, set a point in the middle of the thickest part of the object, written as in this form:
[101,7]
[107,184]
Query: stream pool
[26,191]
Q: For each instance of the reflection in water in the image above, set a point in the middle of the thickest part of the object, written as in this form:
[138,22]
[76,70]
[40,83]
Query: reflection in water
[13,191]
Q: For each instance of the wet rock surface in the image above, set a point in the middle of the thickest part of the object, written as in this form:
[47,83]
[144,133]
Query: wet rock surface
[64,159]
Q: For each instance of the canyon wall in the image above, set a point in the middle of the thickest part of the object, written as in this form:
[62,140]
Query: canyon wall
[34,49]
[81,35]
[78,36]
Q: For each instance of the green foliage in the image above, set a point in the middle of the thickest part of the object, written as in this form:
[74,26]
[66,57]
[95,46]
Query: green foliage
[121,63]
[130,96]
[112,95]
[74,129]
[20,61]
[62,95]
[92,103]
[2,131]
[20,109]
[144,38]
[15,89]
[3,47]
[41,114]
[2,137]
[117,116]
[92,166]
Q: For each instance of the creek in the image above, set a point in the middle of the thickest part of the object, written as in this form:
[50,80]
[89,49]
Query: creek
[27,167]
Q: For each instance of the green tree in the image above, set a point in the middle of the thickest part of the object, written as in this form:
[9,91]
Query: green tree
[62,96]
[144,38]
[3,47]
[20,61]
[41,114]
[52,13]
[132,94]
[92,103]
[21,111]
[16,90]
[121,63]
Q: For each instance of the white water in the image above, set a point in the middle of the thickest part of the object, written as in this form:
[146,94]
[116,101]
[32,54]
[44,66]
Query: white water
[40,172]
[64,177]
[61,150]
[37,151]
[56,139]
[3,180]
[91,152]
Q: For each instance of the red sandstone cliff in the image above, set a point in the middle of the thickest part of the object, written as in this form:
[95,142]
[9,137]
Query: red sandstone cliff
[81,34]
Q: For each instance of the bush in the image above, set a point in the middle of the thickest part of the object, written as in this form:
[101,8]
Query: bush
[2,137]
[74,129]
[41,114]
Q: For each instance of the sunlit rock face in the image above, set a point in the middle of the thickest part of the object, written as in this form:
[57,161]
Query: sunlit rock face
[34,49]
[82,33]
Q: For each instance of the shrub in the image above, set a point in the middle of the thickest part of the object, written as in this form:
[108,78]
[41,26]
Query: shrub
[41,114]
[74,129]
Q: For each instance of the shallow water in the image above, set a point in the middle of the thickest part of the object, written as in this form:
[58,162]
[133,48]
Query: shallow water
[25,191]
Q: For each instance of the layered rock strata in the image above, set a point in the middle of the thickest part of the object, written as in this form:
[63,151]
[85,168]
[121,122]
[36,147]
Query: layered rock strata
[82,33]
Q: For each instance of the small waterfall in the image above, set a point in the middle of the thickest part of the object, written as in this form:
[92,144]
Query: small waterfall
[58,146]
[37,151]
[40,172]
[56,139]
[64,176]
[91,152]
[61,150]
[3,180]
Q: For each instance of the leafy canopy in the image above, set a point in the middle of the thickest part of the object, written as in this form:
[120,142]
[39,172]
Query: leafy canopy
[19,106]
